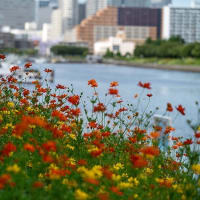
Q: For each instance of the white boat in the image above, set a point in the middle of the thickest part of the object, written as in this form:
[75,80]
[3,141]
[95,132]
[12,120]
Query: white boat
[94,59]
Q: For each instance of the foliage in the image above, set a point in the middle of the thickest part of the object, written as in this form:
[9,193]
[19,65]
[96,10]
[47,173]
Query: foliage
[63,50]
[29,52]
[53,145]
[175,47]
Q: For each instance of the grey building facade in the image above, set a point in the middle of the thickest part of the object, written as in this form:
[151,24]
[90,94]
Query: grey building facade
[15,13]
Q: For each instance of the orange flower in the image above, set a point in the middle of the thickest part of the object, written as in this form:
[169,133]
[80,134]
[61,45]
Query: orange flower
[96,153]
[144,85]
[74,99]
[47,159]
[59,114]
[48,70]
[75,112]
[92,181]
[169,129]
[99,108]
[116,191]
[150,150]
[114,84]
[181,109]
[155,135]
[113,91]
[169,107]
[28,65]
[60,86]
[29,147]
[14,68]
[93,83]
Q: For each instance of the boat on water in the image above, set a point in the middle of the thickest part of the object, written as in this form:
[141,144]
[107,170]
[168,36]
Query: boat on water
[94,59]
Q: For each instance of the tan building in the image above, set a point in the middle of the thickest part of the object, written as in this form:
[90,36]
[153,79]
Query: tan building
[105,24]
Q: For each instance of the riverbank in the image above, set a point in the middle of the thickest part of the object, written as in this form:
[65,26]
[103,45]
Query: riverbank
[189,68]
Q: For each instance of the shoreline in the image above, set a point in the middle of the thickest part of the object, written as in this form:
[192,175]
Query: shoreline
[185,68]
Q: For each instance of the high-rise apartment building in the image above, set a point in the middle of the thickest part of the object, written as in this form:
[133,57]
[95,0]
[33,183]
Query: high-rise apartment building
[94,5]
[15,13]
[44,9]
[69,10]
[182,22]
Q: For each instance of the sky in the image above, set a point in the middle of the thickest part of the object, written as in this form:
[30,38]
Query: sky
[175,2]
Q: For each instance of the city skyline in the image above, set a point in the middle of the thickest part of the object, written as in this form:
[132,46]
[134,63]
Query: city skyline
[175,2]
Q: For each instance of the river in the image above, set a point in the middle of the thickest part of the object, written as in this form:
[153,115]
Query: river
[167,86]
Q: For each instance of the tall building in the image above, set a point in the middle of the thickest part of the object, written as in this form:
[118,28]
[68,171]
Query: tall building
[195,3]
[160,3]
[138,24]
[44,9]
[69,10]
[15,13]
[94,5]
[182,22]
[81,12]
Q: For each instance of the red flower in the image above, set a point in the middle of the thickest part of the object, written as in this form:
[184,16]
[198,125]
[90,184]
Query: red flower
[116,191]
[188,142]
[144,85]
[28,65]
[113,91]
[8,148]
[169,107]
[60,86]
[2,56]
[149,95]
[114,84]
[74,99]
[48,70]
[49,146]
[181,109]
[151,150]
[38,184]
[93,83]
[75,112]
[138,161]
[14,68]
[197,135]
[29,147]
[99,108]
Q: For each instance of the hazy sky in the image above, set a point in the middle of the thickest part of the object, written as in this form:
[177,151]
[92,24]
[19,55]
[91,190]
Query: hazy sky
[175,2]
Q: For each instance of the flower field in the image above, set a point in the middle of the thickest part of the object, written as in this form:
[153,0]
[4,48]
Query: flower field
[56,145]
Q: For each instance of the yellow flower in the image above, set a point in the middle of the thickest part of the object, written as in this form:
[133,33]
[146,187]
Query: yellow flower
[116,177]
[1,118]
[123,185]
[80,195]
[118,166]
[149,171]
[93,173]
[72,136]
[196,168]
[69,147]
[13,168]
[135,196]
[11,104]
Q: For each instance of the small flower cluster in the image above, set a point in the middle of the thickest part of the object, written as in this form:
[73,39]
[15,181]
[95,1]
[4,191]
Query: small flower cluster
[53,147]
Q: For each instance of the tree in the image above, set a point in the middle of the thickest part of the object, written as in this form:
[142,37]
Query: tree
[196,51]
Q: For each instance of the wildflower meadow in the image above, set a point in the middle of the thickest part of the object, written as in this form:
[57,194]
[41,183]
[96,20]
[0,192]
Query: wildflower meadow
[56,146]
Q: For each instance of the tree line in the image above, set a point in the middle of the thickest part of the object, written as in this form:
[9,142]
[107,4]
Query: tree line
[175,47]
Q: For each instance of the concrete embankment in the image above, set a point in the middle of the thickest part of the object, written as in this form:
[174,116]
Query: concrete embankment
[153,66]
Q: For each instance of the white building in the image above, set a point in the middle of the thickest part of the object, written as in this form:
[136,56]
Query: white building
[115,44]
[182,22]
[69,11]
[56,25]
